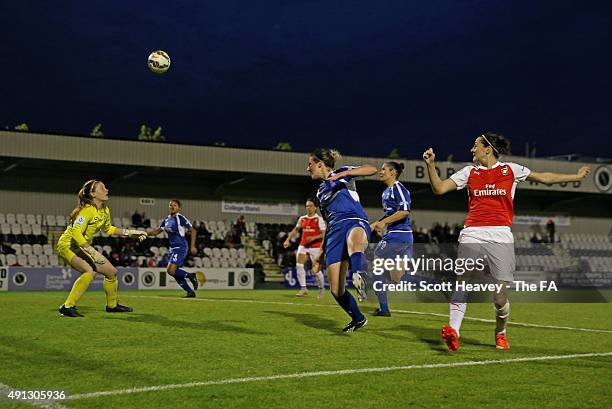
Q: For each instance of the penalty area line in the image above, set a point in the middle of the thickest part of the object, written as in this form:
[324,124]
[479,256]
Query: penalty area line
[299,375]
[434,314]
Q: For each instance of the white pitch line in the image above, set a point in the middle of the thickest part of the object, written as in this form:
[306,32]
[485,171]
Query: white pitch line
[50,404]
[328,373]
[520,324]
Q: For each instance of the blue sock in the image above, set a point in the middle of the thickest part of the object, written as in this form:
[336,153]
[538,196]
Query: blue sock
[358,263]
[348,304]
[382,295]
[179,276]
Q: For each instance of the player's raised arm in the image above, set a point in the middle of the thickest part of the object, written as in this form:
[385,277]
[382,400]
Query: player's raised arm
[550,178]
[363,170]
[438,185]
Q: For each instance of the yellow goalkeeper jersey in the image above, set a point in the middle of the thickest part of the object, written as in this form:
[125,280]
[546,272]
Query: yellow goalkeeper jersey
[86,225]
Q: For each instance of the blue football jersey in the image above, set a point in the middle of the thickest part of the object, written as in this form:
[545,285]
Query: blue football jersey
[176,226]
[394,199]
[338,199]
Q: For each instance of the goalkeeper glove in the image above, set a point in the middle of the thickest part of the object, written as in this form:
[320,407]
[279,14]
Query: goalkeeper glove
[135,234]
[93,254]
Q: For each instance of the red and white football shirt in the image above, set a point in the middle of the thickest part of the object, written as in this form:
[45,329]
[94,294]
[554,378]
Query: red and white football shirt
[490,192]
[311,226]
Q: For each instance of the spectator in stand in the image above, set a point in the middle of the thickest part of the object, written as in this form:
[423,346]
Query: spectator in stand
[550,229]
[136,219]
[240,225]
[146,222]
[203,235]
[228,240]
[150,262]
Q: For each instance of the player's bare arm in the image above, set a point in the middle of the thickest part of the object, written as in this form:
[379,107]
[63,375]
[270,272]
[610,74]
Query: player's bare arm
[438,185]
[550,178]
[363,170]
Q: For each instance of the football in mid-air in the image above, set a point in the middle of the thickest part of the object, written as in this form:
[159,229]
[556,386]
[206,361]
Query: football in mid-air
[159,61]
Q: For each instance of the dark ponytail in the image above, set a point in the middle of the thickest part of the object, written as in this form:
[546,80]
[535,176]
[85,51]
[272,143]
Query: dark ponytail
[499,143]
[397,167]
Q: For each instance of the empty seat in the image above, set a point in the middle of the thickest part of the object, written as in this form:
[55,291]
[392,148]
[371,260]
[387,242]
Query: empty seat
[163,251]
[16,229]
[33,260]
[47,249]
[36,230]
[30,219]
[225,253]
[60,220]
[216,253]
[11,259]
[10,218]
[50,220]
[206,262]
[215,263]
[197,262]
[117,221]
[2,218]
[224,263]
[22,259]
[5,228]
[125,222]
[21,218]
[17,248]
[208,251]
[43,260]
[26,249]
[154,250]
[54,260]
[2,259]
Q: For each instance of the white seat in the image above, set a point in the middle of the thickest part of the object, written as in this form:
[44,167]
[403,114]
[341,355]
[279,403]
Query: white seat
[233,262]
[50,220]
[21,218]
[125,222]
[54,260]
[163,250]
[10,218]
[30,219]
[36,230]
[39,218]
[107,249]
[154,250]
[11,259]
[207,251]
[2,259]
[33,260]
[5,228]
[17,248]
[224,263]
[47,249]
[60,220]
[233,253]
[225,253]
[22,259]
[216,253]
[206,262]
[2,218]
[16,228]
[215,263]
[26,249]
[197,262]
[43,260]
[26,229]
[117,221]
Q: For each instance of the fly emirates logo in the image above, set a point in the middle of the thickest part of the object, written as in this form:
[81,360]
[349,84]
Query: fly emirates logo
[490,190]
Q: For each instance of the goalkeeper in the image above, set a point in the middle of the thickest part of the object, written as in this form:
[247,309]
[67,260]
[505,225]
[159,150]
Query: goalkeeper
[86,220]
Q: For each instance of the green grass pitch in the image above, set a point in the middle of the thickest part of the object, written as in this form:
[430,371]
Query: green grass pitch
[226,338]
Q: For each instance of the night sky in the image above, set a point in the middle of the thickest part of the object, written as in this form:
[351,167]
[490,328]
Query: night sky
[362,76]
